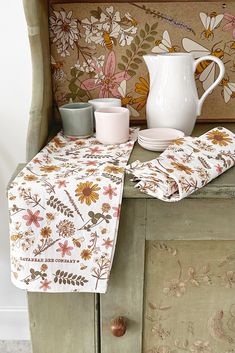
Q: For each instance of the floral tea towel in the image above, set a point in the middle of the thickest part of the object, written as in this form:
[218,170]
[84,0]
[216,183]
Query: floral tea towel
[64,214]
[186,165]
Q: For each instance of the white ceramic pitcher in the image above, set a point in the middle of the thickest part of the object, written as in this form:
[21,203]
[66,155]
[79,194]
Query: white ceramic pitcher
[173,99]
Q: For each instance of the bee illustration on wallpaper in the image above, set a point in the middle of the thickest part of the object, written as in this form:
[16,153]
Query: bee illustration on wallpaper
[108,38]
[130,19]
[205,71]
[127,99]
[228,90]
[210,23]
[164,45]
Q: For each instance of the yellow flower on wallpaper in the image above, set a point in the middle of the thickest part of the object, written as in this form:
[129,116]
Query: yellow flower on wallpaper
[219,138]
[87,192]
[141,88]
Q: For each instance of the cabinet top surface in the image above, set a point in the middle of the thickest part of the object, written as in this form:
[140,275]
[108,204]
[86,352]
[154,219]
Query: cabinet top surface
[221,187]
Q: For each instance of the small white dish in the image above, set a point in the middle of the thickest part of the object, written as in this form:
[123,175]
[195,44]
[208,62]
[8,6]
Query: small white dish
[160,134]
[153,148]
[155,142]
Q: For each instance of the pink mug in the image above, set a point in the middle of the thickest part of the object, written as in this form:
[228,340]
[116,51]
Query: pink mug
[112,125]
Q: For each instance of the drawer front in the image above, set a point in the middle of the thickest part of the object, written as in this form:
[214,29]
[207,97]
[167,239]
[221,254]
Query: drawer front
[63,323]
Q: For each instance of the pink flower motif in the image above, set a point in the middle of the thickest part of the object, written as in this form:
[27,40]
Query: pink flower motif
[106,79]
[117,211]
[89,163]
[108,243]
[32,218]
[61,183]
[230,23]
[65,249]
[45,285]
[94,150]
[218,168]
[108,190]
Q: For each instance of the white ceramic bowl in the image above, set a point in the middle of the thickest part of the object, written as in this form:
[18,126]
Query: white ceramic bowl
[105,102]
[112,125]
[160,134]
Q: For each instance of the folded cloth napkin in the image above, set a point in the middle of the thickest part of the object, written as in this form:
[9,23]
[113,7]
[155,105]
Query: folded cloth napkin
[64,211]
[186,165]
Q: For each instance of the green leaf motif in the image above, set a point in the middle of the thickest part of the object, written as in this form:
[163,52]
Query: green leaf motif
[121,66]
[133,46]
[142,33]
[141,53]
[147,28]
[137,60]
[145,46]
[134,66]
[131,72]
[124,59]
[137,40]
[73,71]
[73,87]
[128,53]
[150,39]
[154,26]
[81,93]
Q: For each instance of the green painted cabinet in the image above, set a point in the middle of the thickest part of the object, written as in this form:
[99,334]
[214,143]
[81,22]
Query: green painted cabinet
[173,276]
[172,280]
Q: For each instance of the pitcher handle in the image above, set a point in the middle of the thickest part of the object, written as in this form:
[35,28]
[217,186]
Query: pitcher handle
[214,84]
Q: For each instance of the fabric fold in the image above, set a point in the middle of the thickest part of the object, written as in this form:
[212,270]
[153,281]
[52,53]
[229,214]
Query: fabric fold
[64,214]
[186,165]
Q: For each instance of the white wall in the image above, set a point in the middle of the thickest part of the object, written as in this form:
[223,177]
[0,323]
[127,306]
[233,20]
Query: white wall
[15,97]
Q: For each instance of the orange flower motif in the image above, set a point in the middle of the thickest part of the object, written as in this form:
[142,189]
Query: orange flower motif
[45,232]
[80,143]
[30,177]
[86,254]
[113,169]
[58,143]
[178,141]
[141,88]
[87,192]
[219,137]
[49,168]
[182,167]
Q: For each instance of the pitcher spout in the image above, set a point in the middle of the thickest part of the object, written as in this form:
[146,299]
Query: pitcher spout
[150,61]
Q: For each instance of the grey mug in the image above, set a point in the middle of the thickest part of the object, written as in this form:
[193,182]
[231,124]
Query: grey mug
[77,119]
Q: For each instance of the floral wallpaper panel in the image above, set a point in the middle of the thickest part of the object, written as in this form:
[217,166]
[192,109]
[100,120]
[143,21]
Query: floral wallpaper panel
[97,50]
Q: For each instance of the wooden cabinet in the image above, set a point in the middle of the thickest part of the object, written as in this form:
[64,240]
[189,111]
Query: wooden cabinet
[173,275]
[172,280]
